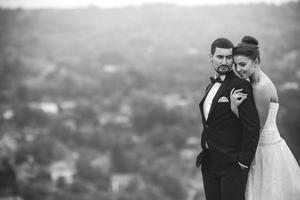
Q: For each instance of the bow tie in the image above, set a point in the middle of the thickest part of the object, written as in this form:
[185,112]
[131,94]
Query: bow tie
[214,80]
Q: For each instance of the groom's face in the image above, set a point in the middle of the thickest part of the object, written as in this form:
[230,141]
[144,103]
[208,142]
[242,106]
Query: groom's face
[222,60]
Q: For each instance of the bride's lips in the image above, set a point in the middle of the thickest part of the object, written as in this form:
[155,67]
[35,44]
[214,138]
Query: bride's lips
[242,74]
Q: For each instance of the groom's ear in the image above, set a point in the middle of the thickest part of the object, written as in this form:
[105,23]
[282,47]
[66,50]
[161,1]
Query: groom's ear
[210,56]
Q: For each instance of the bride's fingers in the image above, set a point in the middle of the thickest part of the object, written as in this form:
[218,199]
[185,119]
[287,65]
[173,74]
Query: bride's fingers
[231,92]
[238,97]
[243,95]
[238,90]
[235,96]
[242,99]
[240,93]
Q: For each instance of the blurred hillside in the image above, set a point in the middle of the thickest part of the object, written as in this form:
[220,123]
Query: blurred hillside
[103,103]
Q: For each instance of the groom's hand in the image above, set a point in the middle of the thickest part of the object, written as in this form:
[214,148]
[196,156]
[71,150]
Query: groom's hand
[200,158]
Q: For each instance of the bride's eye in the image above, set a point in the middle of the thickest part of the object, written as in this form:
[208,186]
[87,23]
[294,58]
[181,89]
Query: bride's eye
[242,64]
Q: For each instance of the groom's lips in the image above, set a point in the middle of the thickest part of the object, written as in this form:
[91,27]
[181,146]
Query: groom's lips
[224,67]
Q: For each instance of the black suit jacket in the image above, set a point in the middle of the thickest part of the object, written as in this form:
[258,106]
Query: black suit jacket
[230,139]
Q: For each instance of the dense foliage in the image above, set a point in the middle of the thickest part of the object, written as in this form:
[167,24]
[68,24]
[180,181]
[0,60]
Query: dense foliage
[126,83]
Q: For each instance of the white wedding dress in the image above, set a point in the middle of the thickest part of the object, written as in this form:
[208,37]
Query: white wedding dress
[274,173]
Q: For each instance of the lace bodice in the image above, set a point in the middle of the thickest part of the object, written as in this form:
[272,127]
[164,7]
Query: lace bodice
[270,134]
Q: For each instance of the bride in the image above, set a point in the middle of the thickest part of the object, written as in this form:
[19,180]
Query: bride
[274,173]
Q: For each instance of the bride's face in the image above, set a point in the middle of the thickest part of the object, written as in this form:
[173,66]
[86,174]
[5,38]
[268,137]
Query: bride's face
[244,66]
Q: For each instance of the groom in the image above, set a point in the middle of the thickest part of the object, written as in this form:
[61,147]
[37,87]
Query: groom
[228,142]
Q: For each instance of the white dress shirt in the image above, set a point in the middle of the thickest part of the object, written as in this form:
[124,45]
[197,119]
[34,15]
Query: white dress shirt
[210,96]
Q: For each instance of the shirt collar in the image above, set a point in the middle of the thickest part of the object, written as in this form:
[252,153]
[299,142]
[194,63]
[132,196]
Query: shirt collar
[222,77]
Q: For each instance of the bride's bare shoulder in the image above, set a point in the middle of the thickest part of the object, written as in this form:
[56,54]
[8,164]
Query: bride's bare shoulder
[266,89]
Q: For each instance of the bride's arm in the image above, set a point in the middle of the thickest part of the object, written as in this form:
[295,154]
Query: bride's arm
[236,98]
[249,120]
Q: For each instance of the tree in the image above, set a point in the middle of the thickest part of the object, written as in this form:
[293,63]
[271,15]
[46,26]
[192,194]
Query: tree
[171,186]
[44,150]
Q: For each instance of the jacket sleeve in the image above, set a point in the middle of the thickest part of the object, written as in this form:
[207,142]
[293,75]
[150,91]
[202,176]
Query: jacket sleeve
[249,119]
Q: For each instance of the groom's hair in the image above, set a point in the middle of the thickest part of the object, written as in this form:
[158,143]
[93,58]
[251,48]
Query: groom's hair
[220,43]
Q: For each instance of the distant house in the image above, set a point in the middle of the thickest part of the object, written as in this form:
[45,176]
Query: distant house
[28,169]
[188,154]
[102,162]
[195,188]
[70,124]
[122,181]
[30,133]
[125,109]
[175,100]
[119,119]
[47,107]
[9,143]
[193,141]
[67,105]
[8,114]
[62,170]
[105,119]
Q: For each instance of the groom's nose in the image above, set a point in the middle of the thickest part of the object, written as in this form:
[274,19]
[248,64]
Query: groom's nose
[224,61]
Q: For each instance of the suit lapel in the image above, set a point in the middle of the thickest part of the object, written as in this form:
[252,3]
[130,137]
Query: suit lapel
[202,101]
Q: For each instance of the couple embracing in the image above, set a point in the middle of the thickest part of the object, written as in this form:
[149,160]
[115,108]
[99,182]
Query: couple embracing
[243,156]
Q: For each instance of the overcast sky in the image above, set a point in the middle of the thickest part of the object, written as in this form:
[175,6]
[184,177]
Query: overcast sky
[118,3]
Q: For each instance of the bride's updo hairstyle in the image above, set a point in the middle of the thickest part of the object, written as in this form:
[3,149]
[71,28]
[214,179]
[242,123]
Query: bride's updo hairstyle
[248,47]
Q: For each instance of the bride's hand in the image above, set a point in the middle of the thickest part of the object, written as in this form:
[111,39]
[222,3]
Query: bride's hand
[236,98]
